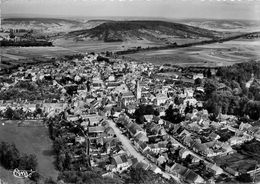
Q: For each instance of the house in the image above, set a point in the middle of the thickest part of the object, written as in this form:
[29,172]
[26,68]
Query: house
[235,141]
[184,153]
[192,177]
[120,163]
[201,148]
[148,118]
[127,98]
[161,98]
[184,133]
[72,118]
[134,129]
[155,169]
[161,160]
[109,132]
[198,76]
[215,169]
[141,136]
[141,146]
[141,165]
[188,140]
[80,139]
[185,173]
[158,148]
[213,136]
[95,131]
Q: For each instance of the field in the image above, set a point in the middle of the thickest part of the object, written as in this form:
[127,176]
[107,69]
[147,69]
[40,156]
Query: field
[11,56]
[100,46]
[211,55]
[218,54]
[30,140]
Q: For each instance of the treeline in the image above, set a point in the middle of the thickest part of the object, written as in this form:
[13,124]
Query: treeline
[7,43]
[10,158]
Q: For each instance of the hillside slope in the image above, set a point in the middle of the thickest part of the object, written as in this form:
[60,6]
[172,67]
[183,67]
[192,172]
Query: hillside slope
[143,30]
[43,24]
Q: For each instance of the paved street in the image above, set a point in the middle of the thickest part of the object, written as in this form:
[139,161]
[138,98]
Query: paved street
[127,144]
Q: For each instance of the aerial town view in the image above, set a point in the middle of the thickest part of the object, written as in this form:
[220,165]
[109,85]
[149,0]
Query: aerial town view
[129,92]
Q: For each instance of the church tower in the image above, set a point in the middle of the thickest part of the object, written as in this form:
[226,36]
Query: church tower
[138,90]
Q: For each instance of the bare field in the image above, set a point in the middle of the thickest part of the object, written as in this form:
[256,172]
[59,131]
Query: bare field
[218,54]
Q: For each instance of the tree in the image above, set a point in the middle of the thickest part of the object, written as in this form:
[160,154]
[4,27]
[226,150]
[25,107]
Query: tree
[9,113]
[245,178]
[209,87]
[28,162]
[198,81]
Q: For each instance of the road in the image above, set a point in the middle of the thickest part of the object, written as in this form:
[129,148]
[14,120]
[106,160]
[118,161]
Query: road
[126,143]
[130,148]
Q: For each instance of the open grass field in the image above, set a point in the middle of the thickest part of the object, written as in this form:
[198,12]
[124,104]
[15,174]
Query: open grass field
[30,140]
[218,54]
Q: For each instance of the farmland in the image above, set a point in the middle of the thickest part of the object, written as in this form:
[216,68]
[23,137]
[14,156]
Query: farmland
[13,56]
[218,54]
[30,140]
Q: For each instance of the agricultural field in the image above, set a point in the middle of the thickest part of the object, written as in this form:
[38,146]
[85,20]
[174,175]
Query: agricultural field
[29,140]
[12,56]
[100,46]
[218,54]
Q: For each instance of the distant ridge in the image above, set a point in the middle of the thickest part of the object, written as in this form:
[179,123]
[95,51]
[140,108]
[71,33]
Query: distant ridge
[40,20]
[143,29]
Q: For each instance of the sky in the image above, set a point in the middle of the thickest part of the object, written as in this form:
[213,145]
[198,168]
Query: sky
[209,9]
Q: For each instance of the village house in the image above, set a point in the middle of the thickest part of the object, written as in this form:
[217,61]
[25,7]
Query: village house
[185,173]
[120,163]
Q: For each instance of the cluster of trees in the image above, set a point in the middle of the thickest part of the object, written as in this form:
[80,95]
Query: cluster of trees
[19,114]
[133,175]
[29,43]
[144,110]
[74,56]
[10,158]
[30,92]
[64,155]
[173,115]
[233,97]
[86,177]
[141,176]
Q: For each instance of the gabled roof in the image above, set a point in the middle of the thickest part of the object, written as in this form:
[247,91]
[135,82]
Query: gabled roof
[96,129]
[134,128]
[191,176]
[178,168]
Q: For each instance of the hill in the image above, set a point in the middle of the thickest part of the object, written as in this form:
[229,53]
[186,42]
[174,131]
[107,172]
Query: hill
[42,24]
[224,25]
[113,31]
